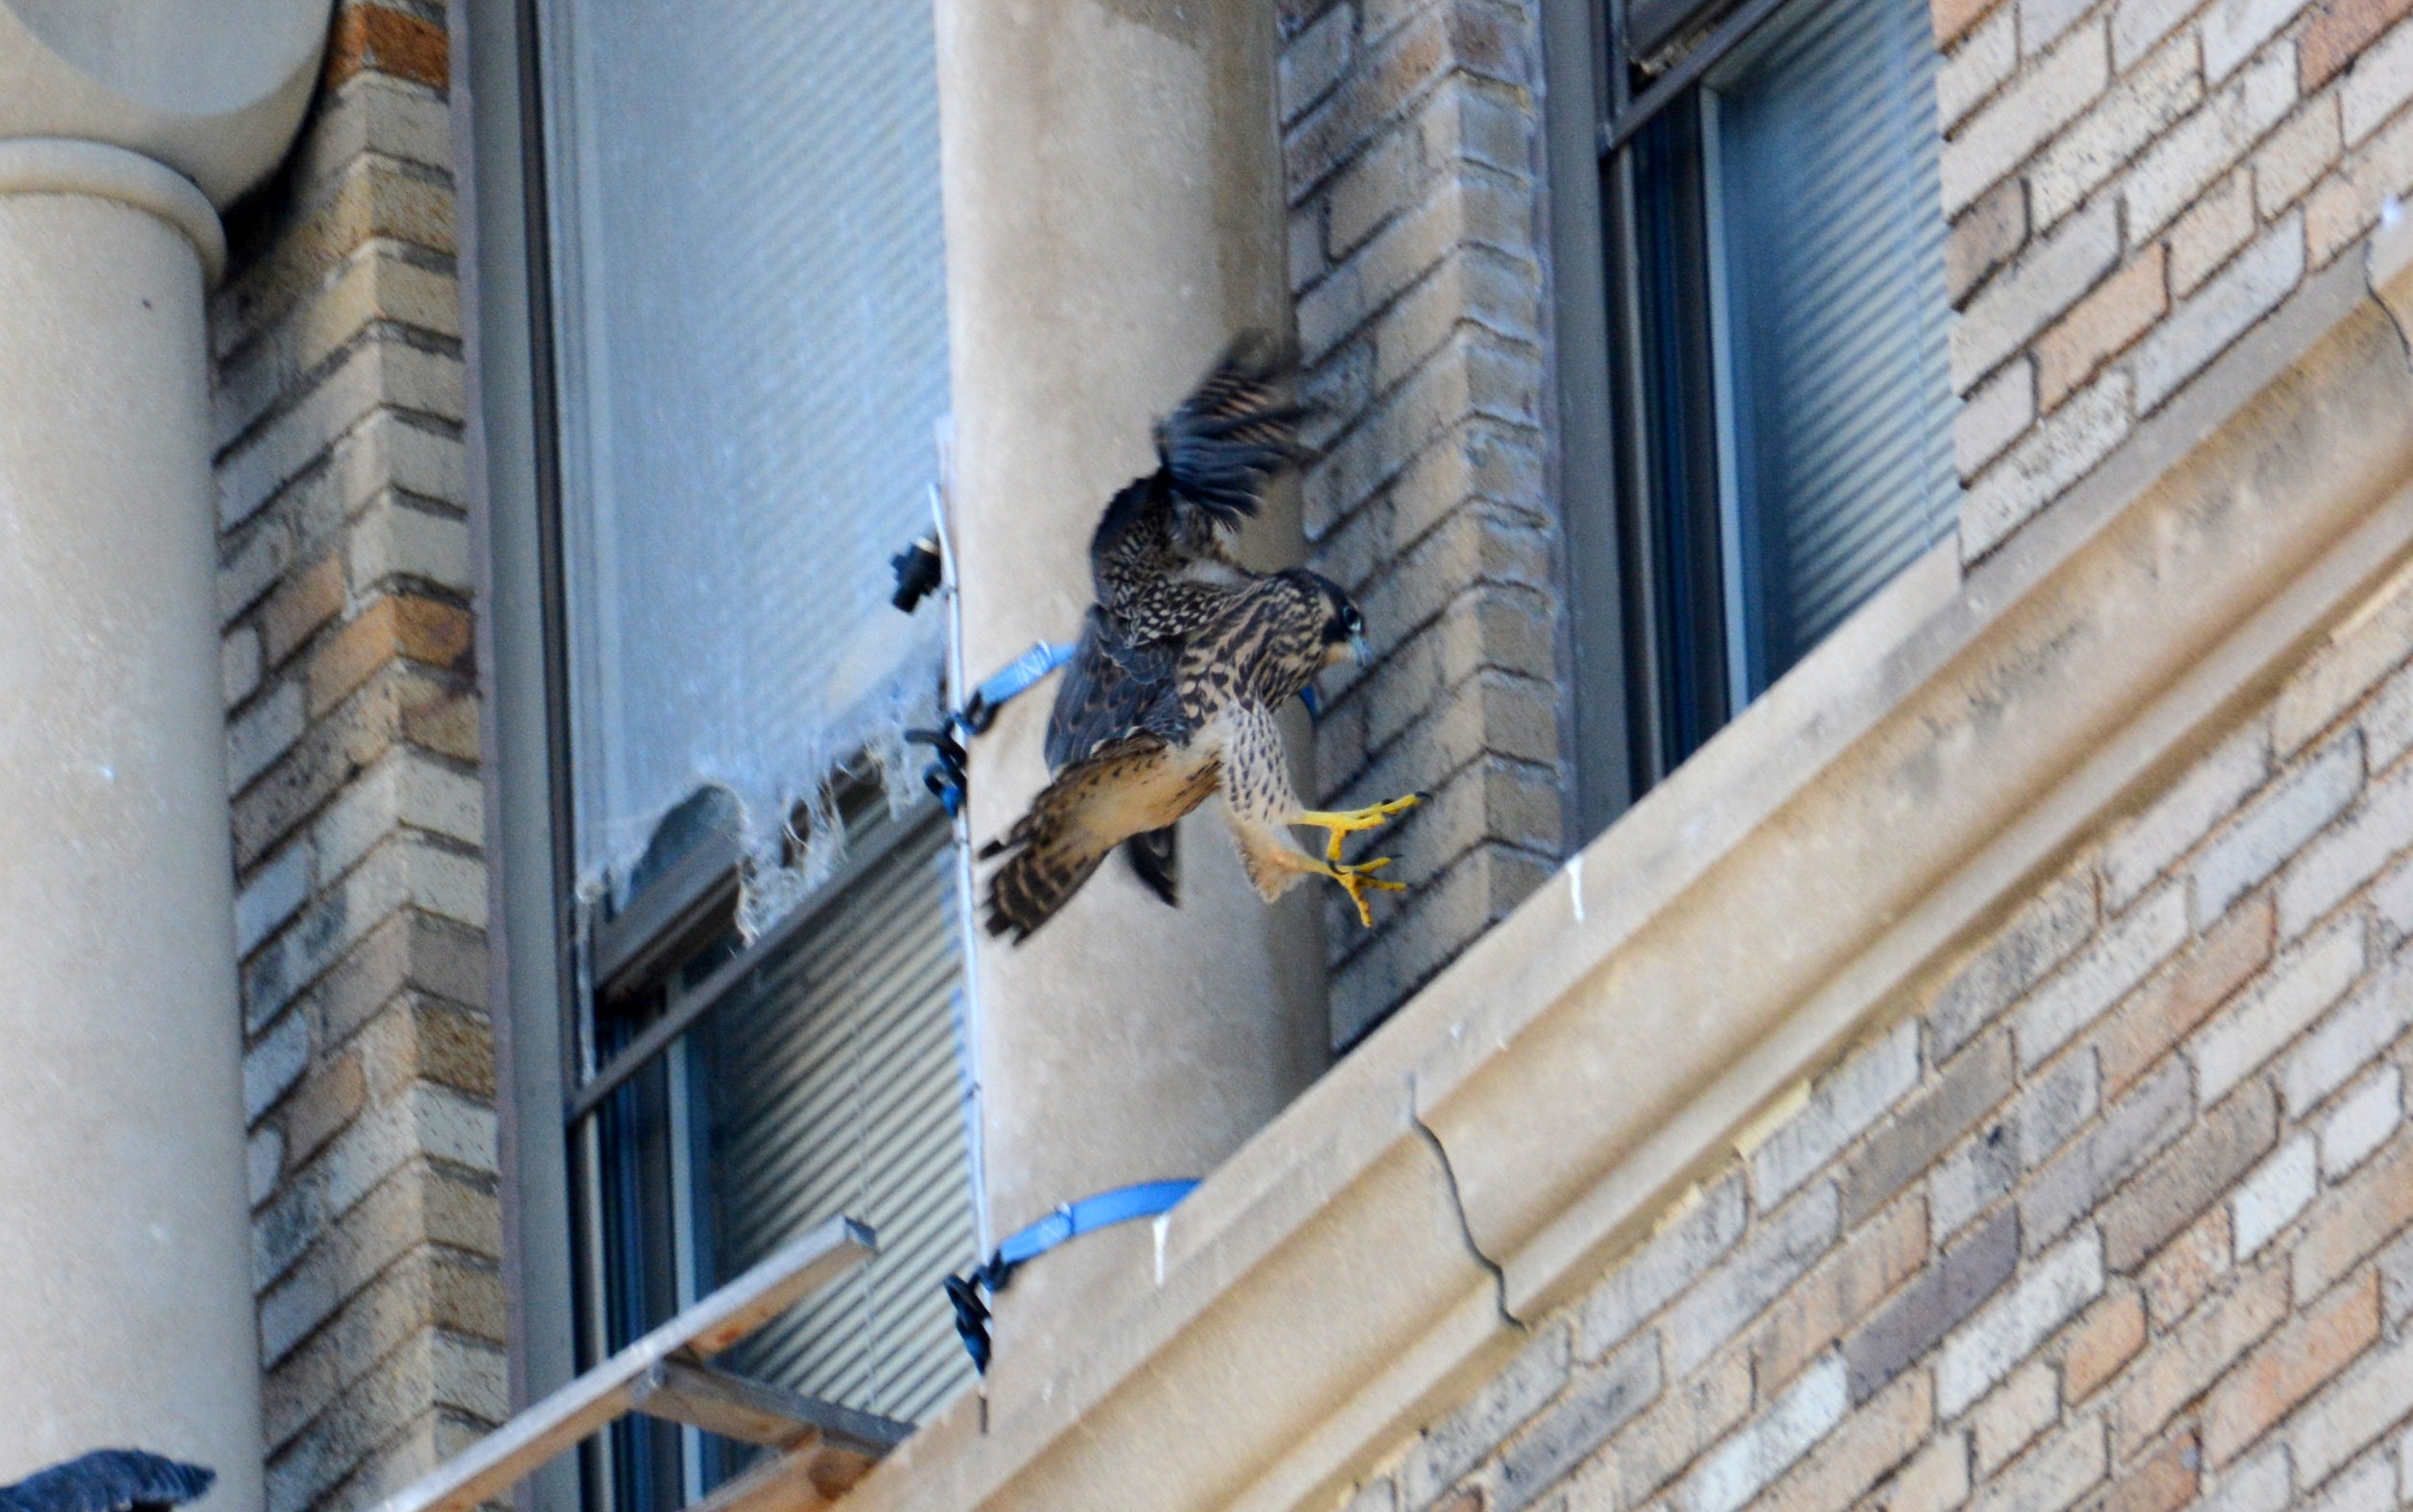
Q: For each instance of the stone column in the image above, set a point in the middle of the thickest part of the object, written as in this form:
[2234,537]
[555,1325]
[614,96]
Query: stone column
[1113,218]
[126,1305]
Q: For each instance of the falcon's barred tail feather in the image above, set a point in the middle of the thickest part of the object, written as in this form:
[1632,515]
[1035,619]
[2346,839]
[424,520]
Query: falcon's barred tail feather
[1128,787]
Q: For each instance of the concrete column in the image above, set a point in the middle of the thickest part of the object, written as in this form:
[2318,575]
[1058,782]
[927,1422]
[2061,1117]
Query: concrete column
[1113,203]
[125,1304]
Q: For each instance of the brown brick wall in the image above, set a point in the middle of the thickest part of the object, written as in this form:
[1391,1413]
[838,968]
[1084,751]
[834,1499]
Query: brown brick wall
[2119,1218]
[1411,143]
[352,733]
[2132,185]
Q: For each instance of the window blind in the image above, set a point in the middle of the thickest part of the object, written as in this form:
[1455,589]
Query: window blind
[834,1087]
[750,320]
[1826,249]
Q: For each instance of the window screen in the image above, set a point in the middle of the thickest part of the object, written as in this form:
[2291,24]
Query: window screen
[751,324]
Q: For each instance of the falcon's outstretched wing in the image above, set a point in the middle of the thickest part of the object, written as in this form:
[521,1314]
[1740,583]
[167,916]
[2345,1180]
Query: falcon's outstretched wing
[1112,687]
[109,1480]
[1125,788]
[1234,431]
[1160,557]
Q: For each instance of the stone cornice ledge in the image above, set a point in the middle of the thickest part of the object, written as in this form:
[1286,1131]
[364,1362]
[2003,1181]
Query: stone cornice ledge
[1337,1280]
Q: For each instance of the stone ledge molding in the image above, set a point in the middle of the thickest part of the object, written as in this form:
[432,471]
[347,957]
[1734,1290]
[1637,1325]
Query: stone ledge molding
[61,165]
[1359,1266]
[213,88]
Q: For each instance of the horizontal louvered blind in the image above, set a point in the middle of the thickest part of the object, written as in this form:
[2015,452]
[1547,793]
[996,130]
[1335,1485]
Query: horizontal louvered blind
[835,1088]
[1827,243]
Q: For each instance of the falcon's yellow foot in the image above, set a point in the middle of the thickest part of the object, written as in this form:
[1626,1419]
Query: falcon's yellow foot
[1354,819]
[1355,880]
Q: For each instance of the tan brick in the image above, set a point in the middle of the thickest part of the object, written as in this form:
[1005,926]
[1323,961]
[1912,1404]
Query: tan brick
[2050,1476]
[2158,1015]
[445,722]
[2099,143]
[2338,32]
[2342,208]
[404,626]
[2166,177]
[2295,1363]
[409,951]
[2163,1483]
[1935,1480]
[455,1049]
[2209,1160]
[2101,325]
[2356,1219]
[388,42]
[2012,1415]
[1841,1292]
[2196,331]
[2023,115]
[2106,1337]
[373,199]
[326,1104]
[327,755]
[2028,947]
[304,601]
[2218,224]
[1985,236]
[2296,156]
[1663,1441]
[2178,1368]
[1953,17]
[1871,1441]
[2179,1277]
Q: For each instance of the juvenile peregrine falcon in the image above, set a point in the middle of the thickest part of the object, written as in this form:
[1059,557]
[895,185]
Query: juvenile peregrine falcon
[1181,665]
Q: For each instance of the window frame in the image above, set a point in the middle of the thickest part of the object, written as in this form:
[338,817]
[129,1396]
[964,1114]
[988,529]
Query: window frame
[551,959]
[1643,693]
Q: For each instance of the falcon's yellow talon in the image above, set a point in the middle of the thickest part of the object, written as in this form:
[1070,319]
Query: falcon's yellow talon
[1349,821]
[1355,880]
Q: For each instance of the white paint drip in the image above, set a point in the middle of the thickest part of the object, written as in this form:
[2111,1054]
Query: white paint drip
[1158,1228]
[1575,885]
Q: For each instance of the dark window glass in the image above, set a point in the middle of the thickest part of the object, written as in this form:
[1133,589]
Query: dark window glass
[1785,413]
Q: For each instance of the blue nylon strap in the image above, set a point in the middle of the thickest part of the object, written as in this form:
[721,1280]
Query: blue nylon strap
[1018,675]
[1069,1221]
[1090,1214]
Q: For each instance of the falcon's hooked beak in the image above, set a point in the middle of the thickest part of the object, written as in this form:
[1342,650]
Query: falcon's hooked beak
[1361,649]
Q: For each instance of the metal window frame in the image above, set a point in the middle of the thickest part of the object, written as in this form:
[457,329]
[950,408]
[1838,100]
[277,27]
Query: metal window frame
[1632,717]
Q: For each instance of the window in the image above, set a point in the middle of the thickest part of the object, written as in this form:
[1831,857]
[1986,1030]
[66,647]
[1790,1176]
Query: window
[740,382]
[1779,407]
[744,1092]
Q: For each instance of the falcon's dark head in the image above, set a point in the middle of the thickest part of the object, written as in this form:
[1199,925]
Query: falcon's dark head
[1344,627]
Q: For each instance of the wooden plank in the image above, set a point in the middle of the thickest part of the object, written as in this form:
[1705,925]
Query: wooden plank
[758,1412]
[490,1468]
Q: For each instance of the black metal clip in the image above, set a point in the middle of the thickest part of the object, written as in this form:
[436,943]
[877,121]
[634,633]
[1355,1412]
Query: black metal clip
[919,573]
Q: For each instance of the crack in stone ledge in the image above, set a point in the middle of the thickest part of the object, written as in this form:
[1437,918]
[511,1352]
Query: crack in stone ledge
[1457,1206]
